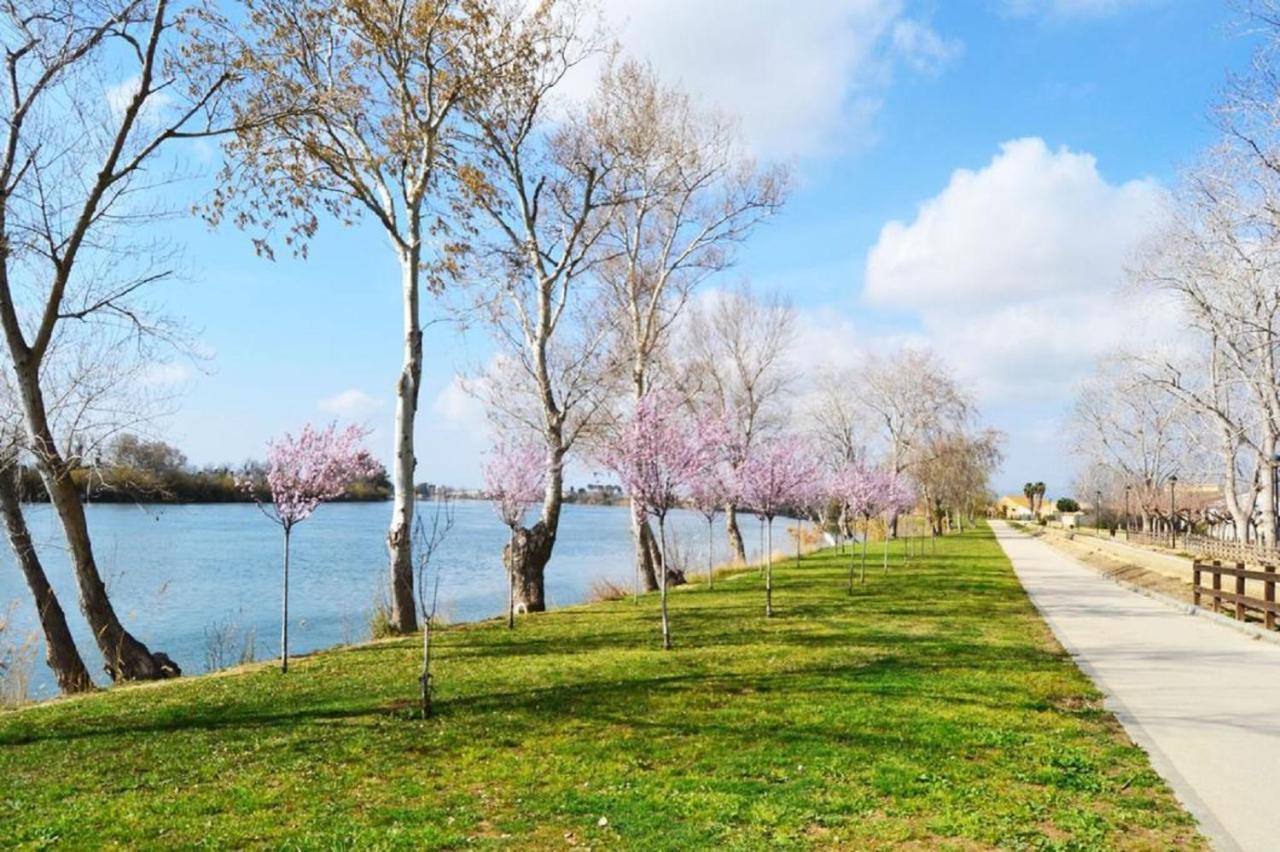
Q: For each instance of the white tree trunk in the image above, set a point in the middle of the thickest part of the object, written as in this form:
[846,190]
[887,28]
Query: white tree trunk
[400,534]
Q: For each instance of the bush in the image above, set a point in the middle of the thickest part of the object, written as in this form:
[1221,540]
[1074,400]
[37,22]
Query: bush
[1066,504]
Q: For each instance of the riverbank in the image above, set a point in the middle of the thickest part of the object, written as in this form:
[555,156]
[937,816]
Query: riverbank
[931,707]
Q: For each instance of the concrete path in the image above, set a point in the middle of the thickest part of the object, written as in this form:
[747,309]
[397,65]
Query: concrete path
[1202,699]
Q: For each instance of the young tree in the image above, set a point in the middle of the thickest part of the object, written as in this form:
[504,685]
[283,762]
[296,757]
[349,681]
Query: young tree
[515,477]
[774,473]
[708,494]
[428,542]
[95,94]
[348,110]
[687,195]
[303,472]
[732,364]
[658,454]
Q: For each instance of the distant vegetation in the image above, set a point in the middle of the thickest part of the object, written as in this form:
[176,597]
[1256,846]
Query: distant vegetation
[136,470]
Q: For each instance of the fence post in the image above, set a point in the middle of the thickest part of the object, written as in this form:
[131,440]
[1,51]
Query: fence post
[1217,587]
[1269,594]
[1195,582]
[1239,592]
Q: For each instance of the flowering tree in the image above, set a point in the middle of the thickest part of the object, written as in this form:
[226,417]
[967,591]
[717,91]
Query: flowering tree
[707,495]
[515,478]
[899,497]
[771,478]
[861,490]
[303,472]
[658,454]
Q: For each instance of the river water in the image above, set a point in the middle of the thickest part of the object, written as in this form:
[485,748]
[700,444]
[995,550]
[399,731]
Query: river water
[183,577]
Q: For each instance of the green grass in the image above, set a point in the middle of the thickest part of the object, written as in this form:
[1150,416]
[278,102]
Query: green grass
[930,708]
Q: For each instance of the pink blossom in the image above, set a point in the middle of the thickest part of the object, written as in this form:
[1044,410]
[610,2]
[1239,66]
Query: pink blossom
[777,475]
[313,468]
[515,477]
[663,453]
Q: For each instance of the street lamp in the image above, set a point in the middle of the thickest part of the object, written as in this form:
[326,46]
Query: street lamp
[1126,512]
[1097,511]
[1173,512]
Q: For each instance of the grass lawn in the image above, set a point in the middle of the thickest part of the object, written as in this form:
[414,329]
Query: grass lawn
[931,708]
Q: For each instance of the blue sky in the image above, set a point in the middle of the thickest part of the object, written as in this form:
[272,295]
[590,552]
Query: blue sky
[877,103]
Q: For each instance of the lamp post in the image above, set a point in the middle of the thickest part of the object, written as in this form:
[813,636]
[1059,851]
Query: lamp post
[1173,512]
[1126,512]
[1097,511]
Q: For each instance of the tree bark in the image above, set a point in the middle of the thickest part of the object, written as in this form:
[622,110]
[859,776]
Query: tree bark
[768,571]
[666,625]
[528,555]
[284,609]
[400,533]
[126,657]
[648,553]
[60,649]
[737,550]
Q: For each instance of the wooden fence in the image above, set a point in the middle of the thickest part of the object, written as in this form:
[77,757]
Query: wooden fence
[1211,548]
[1239,603]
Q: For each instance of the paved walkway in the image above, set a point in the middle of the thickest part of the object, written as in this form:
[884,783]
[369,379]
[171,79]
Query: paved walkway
[1202,699]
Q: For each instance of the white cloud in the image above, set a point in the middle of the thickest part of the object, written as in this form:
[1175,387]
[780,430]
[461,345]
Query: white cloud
[1015,270]
[802,80]
[923,48]
[459,407]
[164,374]
[121,94]
[351,403]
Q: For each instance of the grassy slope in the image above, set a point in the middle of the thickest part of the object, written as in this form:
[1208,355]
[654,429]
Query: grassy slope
[931,707]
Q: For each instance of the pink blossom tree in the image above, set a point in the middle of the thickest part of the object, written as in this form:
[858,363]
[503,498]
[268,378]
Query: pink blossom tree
[863,491]
[658,454]
[899,497]
[515,477]
[317,466]
[774,476]
[708,494]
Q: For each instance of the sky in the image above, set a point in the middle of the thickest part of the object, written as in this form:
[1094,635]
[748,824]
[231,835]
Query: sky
[971,176]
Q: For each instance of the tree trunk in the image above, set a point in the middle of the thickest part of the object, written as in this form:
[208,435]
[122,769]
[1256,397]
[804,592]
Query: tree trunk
[511,580]
[424,676]
[648,553]
[284,609]
[866,533]
[528,555]
[404,616]
[711,571]
[768,571]
[126,658]
[60,649]
[737,550]
[662,586]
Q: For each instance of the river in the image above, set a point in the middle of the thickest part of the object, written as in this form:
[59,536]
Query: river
[187,579]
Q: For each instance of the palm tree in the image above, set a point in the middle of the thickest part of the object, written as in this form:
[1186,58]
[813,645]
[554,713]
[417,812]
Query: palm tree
[1039,489]
[1029,491]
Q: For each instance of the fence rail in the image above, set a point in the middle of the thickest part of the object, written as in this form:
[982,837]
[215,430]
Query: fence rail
[1240,602]
[1212,548]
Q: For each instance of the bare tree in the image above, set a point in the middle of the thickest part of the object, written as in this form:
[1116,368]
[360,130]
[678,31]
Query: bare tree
[97,90]
[914,399]
[543,199]
[1130,427]
[348,109]
[731,361]
[430,536]
[686,196]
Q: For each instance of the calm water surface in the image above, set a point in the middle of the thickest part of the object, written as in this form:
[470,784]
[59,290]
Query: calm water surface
[179,573]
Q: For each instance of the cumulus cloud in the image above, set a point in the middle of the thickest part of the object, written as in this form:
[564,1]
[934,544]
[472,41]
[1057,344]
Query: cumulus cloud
[120,95]
[803,81]
[351,403]
[1015,270]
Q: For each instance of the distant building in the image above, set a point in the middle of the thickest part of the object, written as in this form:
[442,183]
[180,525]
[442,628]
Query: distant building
[1015,507]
